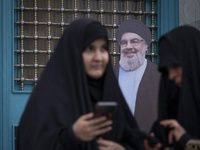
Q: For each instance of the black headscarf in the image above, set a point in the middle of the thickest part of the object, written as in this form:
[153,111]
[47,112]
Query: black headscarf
[181,47]
[63,94]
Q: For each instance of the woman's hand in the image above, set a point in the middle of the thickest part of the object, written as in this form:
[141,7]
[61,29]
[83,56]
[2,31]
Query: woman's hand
[108,145]
[176,131]
[148,147]
[86,127]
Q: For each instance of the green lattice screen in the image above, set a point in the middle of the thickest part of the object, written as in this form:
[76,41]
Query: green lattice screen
[40,23]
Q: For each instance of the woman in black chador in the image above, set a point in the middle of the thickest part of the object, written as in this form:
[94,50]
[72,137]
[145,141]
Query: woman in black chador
[59,113]
[179,99]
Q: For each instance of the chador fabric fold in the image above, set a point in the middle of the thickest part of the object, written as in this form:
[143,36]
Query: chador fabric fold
[65,92]
[181,47]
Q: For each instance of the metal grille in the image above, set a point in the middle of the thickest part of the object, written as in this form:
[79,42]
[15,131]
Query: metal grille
[39,25]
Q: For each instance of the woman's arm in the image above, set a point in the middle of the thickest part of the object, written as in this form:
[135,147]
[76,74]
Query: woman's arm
[86,128]
[186,141]
[107,144]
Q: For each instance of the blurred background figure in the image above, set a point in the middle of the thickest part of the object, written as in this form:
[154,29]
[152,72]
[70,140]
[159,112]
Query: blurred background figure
[179,96]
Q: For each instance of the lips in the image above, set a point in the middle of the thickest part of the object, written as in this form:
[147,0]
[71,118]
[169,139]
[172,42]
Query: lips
[178,84]
[97,67]
[130,52]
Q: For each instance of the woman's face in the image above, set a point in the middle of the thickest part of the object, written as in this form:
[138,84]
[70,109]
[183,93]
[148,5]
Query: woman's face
[175,74]
[96,58]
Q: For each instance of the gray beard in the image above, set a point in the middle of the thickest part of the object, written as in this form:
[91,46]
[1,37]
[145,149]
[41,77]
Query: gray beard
[133,63]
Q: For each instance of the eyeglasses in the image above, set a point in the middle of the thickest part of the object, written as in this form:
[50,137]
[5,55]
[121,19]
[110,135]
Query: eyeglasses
[133,42]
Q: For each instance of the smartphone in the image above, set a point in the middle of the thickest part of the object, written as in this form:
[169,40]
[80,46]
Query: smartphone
[105,108]
[152,140]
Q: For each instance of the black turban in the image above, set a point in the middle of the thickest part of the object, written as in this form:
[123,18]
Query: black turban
[134,26]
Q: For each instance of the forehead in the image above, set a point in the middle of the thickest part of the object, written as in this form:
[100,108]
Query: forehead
[129,35]
[173,67]
[98,41]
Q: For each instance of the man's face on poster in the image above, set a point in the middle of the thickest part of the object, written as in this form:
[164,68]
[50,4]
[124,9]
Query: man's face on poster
[133,50]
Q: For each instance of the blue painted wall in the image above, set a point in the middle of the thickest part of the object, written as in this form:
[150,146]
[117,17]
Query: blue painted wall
[1,78]
[12,103]
[168,17]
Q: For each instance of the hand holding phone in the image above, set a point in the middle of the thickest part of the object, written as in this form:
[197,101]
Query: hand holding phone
[151,140]
[105,108]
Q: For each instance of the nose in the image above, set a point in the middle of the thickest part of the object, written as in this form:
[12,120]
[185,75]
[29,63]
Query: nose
[171,74]
[129,45]
[98,55]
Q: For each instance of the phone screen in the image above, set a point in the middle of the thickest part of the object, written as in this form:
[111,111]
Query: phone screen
[105,108]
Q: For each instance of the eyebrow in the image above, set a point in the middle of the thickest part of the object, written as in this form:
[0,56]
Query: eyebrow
[104,45]
[136,39]
[132,39]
